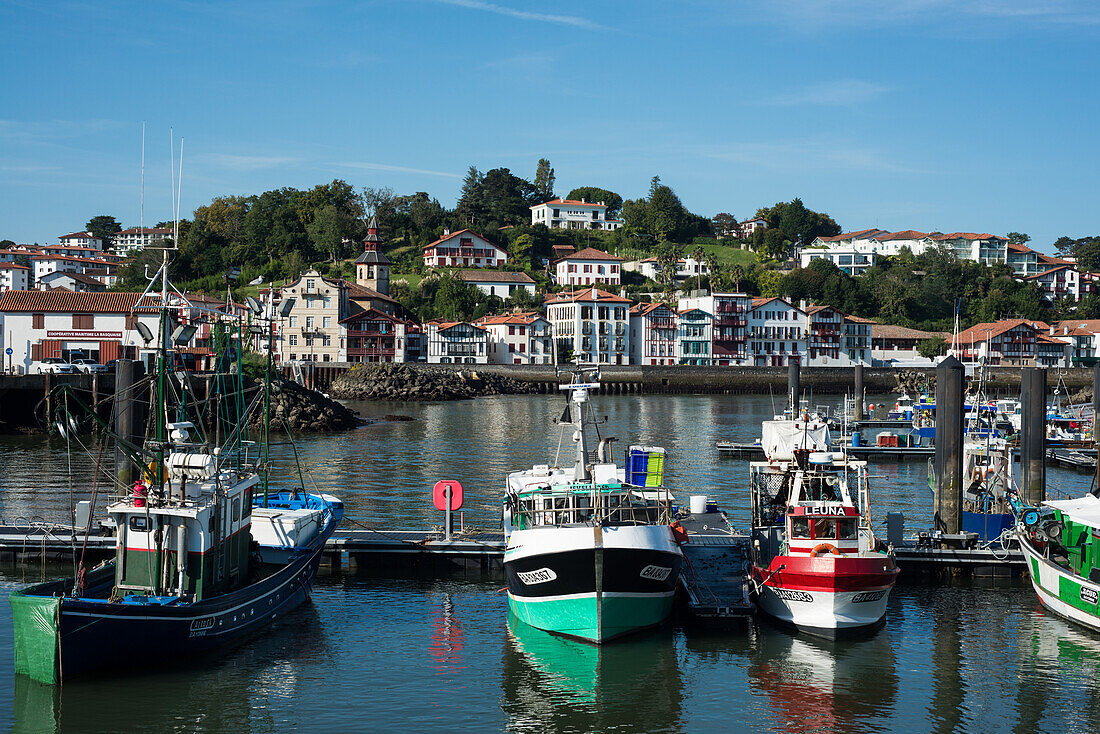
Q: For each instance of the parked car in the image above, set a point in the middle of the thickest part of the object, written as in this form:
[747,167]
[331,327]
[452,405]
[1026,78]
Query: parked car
[55,366]
[88,366]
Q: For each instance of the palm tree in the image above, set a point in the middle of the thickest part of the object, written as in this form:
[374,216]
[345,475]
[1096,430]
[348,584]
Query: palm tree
[738,274]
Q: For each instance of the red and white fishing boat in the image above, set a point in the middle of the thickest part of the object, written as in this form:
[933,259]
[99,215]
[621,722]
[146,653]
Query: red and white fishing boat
[818,566]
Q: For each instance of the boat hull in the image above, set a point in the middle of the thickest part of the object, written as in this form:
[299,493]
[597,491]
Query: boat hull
[828,595]
[90,634]
[1066,594]
[592,583]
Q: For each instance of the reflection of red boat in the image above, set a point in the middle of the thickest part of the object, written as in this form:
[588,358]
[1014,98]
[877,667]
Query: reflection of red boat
[818,564]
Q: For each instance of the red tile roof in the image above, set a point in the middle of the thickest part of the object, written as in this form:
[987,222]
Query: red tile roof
[852,235]
[644,309]
[12,266]
[452,235]
[569,202]
[591,253]
[964,236]
[979,333]
[889,331]
[758,302]
[67,302]
[905,234]
[78,277]
[494,276]
[519,318]
[76,235]
[588,294]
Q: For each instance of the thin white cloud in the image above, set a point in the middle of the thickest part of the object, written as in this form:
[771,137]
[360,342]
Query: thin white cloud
[245,162]
[810,14]
[365,166]
[536,59]
[571,20]
[839,93]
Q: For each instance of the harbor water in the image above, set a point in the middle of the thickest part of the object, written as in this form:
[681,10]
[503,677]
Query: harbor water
[374,652]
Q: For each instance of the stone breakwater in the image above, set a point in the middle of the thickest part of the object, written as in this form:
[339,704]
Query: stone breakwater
[408,383]
[305,411]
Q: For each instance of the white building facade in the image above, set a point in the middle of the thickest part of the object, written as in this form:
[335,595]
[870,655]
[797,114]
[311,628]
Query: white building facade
[570,214]
[133,240]
[587,268]
[464,249]
[81,239]
[592,325]
[501,283]
[777,332]
[14,277]
[518,338]
[456,343]
[653,334]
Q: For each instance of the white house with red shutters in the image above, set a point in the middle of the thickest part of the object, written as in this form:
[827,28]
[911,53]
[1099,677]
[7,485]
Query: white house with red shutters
[519,338]
[777,332]
[653,334]
[587,268]
[463,249]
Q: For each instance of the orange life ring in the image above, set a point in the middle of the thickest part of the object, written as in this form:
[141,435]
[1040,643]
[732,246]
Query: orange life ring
[824,548]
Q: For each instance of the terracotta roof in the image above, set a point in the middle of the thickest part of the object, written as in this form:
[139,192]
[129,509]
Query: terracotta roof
[858,319]
[591,253]
[67,302]
[815,309]
[371,313]
[588,294]
[12,266]
[1050,260]
[853,235]
[361,291]
[78,277]
[521,317]
[905,234]
[979,333]
[452,235]
[758,302]
[569,202]
[1090,326]
[146,230]
[74,235]
[889,331]
[444,325]
[1051,270]
[494,276]
[644,309]
[1015,247]
[964,236]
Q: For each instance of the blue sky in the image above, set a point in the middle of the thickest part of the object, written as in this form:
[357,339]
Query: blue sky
[924,114]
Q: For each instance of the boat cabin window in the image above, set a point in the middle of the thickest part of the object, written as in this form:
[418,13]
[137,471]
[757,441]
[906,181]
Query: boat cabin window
[834,528]
[236,509]
[139,523]
[800,527]
[823,489]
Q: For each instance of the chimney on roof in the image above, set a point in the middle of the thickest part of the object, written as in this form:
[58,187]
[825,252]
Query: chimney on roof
[582,199]
[446,231]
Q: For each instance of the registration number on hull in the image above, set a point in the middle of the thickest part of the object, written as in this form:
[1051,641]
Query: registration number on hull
[793,595]
[538,576]
[655,573]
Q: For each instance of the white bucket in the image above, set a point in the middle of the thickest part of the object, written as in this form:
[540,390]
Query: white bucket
[698,504]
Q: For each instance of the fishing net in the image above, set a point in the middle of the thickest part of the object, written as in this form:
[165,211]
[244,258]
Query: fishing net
[35,619]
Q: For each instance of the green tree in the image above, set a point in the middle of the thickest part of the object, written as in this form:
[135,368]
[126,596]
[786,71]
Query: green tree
[776,245]
[932,347]
[544,181]
[6,244]
[103,227]
[664,212]
[1018,238]
[613,201]
[725,225]
[800,224]
[769,283]
[737,274]
[330,229]
[520,249]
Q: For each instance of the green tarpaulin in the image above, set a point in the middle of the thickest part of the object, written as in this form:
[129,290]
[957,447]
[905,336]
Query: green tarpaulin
[36,641]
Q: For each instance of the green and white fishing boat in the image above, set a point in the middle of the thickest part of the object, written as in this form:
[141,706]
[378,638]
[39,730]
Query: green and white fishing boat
[1061,540]
[589,549]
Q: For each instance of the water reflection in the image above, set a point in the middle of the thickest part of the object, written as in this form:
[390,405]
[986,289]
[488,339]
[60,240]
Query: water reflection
[551,683]
[230,691]
[816,685]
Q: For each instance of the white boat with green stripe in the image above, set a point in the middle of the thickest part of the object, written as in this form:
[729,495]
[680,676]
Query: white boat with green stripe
[589,549]
[1061,541]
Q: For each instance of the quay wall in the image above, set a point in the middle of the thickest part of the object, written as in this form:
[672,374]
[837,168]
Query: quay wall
[22,396]
[637,379]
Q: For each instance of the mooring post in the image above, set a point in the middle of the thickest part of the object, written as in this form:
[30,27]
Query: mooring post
[950,378]
[1033,438]
[792,384]
[123,419]
[857,409]
[1095,422]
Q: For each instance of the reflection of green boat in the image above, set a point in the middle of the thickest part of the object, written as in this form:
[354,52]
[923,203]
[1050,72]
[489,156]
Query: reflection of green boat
[557,683]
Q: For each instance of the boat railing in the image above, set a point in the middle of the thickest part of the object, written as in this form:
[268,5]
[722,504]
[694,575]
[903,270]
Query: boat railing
[624,505]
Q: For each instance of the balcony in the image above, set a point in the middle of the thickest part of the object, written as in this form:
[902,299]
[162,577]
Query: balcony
[370,332]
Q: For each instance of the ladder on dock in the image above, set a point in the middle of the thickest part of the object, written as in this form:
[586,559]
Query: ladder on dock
[716,571]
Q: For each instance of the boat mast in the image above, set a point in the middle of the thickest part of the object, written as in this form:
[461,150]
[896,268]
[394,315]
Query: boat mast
[580,397]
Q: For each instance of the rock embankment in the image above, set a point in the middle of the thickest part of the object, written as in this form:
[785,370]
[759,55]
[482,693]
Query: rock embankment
[407,383]
[306,411]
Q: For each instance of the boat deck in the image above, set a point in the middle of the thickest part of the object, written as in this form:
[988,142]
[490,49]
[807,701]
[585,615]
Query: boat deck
[717,566]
